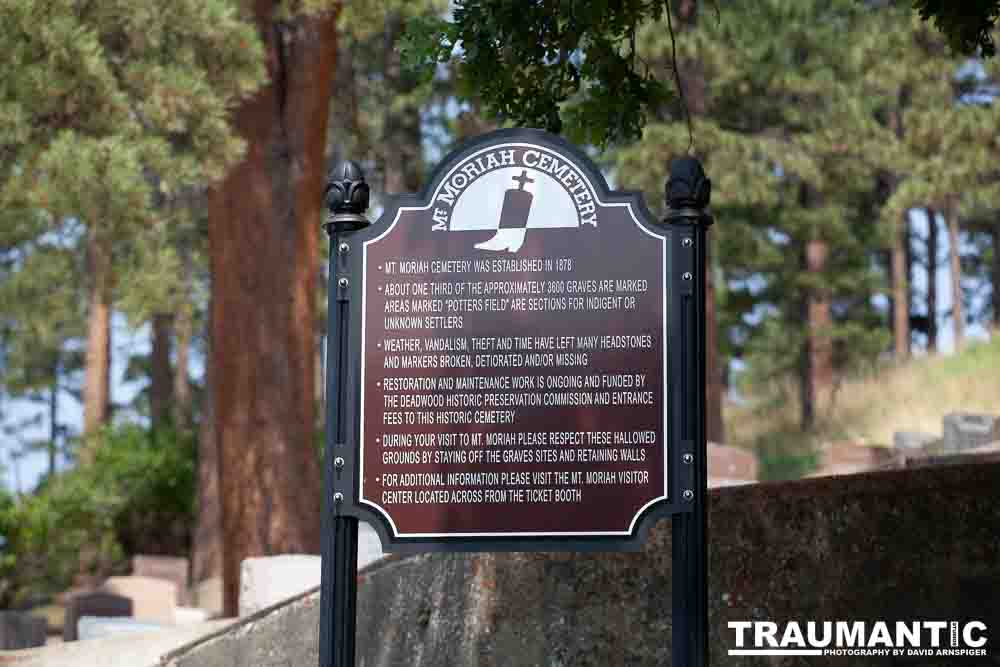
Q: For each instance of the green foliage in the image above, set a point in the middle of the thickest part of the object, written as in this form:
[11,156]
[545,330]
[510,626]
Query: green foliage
[114,119]
[164,267]
[785,133]
[156,472]
[95,96]
[785,456]
[41,329]
[41,311]
[564,67]
[573,67]
[968,24]
[67,529]
[138,496]
[386,111]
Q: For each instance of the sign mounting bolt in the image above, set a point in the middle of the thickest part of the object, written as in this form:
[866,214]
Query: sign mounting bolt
[343,282]
[689,458]
[688,495]
[338,497]
[343,248]
[687,242]
[687,275]
[339,462]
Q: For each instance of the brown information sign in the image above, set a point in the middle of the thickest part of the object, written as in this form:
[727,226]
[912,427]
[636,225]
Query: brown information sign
[513,353]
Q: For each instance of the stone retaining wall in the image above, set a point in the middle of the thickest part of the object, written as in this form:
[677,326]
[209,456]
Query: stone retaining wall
[897,545]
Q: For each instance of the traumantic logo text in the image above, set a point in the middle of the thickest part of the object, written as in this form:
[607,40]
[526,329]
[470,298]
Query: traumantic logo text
[858,638]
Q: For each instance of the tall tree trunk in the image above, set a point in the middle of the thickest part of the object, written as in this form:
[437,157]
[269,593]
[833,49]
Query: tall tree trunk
[819,319]
[932,270]
[996,276]
[714,378]
[15,464]
[900,290]
[183,337]
[402,136]
[472,123]
[899,252]
[955,259]
[816,363]
[695,90]
[97,383]
[206,545]
[264,246]
[319,373]
[909,261]
[161,386]
[53,420]
[807,382]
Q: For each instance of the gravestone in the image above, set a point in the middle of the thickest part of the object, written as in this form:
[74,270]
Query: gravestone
[19,630]
[95,627]
[207,595]
[94,603]
[171,568]
[152,599]
[913,440]
[728,465]
[965,430]
[190,615]
[268,580]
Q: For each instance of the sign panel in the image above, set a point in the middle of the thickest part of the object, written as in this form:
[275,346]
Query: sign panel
[511,342]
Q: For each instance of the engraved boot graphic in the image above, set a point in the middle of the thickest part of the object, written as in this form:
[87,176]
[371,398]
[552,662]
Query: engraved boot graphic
[513,218]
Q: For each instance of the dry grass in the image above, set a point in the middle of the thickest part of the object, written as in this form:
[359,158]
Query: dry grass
[871,407]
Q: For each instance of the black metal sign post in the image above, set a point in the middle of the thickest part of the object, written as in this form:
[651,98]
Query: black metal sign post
[347,200]
[515,362]
[688,193]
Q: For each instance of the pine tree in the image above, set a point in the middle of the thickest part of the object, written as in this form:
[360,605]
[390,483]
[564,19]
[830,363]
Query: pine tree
[779,138]
[946,158]
[96,99]
[901,55]
[163,285]
[264,230]
[41,324]
[381,125]
[982,203]
[569,66]
[932,269]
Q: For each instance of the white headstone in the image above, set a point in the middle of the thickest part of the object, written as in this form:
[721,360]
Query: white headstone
[207,595]
[914,440]
[94,627]
[189,615]
[152,599]
[964,430]
[268,580]
[369,546]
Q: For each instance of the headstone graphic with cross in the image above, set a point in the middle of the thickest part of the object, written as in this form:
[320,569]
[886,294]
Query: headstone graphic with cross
[513,223]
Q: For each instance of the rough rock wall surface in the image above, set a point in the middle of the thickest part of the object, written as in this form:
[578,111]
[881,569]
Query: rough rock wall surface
[897,545]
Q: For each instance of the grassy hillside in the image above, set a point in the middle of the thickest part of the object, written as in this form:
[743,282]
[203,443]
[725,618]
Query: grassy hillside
[867,408]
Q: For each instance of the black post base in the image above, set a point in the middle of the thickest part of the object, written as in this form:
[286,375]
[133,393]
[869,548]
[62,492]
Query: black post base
[338,611]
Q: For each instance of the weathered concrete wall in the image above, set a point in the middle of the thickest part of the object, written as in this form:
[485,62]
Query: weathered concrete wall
[910,545]
[285,635]
[907,545]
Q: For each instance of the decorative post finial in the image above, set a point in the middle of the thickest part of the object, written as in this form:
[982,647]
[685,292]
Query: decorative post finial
[346,198]
[688,192]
